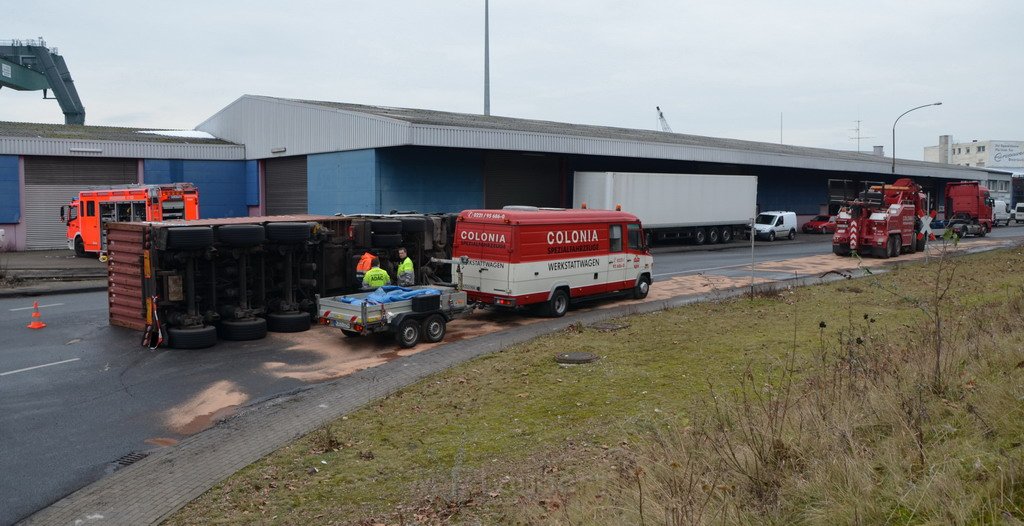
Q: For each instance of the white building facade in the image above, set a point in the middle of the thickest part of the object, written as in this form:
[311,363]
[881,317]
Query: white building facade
[999,155]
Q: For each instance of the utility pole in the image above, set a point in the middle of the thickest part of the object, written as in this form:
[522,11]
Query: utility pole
[487,57]
[859,136]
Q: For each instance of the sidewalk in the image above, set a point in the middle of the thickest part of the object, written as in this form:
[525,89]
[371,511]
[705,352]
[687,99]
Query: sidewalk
[45,272]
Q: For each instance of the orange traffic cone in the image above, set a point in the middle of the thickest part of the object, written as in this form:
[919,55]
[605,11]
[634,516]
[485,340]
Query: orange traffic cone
[37,319]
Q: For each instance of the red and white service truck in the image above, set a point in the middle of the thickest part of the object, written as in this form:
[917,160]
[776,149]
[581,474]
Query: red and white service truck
[883,221]
[544,258]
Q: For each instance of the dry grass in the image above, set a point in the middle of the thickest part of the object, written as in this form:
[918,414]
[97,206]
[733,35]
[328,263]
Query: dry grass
[804,406]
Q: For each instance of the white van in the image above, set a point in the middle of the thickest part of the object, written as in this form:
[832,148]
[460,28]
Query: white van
[773,225]
[1018,213]
[1000,212]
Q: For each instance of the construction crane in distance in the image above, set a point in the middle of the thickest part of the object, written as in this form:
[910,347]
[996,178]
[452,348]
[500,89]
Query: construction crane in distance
[28,65]
[661,120]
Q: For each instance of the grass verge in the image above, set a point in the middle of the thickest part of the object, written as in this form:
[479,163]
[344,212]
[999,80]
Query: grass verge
[805,406]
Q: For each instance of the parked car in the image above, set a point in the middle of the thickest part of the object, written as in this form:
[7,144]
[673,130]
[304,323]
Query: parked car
[1018,213]
[775,224]
[820,225]
[1000,212]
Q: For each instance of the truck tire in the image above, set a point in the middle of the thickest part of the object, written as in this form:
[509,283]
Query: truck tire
[983,230]
[387,240]
[699,236]
[841,250]
[288,232]
[434,328]
[713,236]
[189,237]
[242,330]
[642,288]
[408,333]
[288,321]
[558,305]
[79,247]
[921,244]
[414,224]
[726,236]
[240,235]
[897,245]
[386,226]
[771,236]
[191,337]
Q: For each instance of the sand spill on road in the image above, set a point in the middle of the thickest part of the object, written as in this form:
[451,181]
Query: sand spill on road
[204,409]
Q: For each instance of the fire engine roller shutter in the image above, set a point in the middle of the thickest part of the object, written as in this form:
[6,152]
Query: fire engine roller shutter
[513,178]
[286,185]
[51,182]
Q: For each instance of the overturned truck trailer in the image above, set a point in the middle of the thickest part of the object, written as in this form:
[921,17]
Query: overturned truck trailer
[186,284]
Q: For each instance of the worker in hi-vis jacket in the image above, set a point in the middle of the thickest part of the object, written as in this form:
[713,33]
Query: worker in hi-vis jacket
[376,277]
[406,273]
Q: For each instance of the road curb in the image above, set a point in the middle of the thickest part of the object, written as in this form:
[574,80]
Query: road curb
[56,287]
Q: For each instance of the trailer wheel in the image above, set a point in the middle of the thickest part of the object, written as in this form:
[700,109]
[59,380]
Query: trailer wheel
[726,236]
[288,321]
[79,247]
[558,305]
[408,334]
[287,232]
[414,224]
[242,330]
[713,237]
[386,240]
[191,337]
[189,237]
[699,236]
[240,235]
[386,226]
[434,328]
[642,288]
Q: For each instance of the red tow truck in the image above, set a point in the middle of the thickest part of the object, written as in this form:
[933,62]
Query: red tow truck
[882,221]
[968,208]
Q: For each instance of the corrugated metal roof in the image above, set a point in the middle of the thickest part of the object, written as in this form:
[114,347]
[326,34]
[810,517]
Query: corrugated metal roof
[25,138]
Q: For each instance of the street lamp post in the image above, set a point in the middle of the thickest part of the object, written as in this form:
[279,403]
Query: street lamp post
[894,131]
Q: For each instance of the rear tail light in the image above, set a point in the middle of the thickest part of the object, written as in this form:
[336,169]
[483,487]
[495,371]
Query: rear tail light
[505,302]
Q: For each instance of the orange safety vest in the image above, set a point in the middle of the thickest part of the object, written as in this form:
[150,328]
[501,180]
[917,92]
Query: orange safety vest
[365,262]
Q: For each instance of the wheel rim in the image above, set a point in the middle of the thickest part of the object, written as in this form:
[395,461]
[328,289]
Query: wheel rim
[434,329]
[561,302]
[409,334]
[726,236]
[644,287]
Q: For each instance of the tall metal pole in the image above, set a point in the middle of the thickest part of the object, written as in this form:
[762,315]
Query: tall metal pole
[894,131]
[487,58]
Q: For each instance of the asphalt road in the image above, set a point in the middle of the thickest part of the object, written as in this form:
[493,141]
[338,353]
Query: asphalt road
[78,395]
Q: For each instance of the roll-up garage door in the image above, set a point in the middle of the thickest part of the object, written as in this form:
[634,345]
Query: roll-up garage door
[512,178]
[51,182]
[286,185]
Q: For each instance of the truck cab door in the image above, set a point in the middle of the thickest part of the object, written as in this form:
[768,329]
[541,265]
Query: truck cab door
[616,274]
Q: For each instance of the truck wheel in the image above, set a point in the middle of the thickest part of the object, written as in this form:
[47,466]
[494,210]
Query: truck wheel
[558,305]
[240,235]
[189,237]
[841,250]
[386,226]
[79,247]
[242,330]
[699,236]
[897,246]
[386,240]
[287,232]
[771,236]
[713,237]
[414,224]
[642,288]
[288,321]
[408,334]
[921,243]
[726,236]
[984,230]
[792,234]
[191,337]
[434,328]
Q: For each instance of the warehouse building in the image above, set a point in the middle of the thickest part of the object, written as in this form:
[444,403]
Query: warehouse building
[267,155]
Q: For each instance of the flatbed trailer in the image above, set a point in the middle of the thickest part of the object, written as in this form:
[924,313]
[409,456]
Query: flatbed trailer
[410,320]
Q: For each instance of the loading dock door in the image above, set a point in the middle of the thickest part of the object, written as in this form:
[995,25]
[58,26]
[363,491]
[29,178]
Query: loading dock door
[512,178]
[286,185]
[51,182]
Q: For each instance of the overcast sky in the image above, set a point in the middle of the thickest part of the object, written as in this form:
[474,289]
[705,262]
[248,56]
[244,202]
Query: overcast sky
[721,68]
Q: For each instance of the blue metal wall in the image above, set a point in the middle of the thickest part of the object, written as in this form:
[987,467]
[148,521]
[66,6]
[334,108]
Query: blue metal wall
[430,180]
[386,179]
[226,188]
[343,182]
[10,190]
[802,194]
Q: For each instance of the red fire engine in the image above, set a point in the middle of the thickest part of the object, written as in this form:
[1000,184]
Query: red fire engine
[87,214]
[882,221]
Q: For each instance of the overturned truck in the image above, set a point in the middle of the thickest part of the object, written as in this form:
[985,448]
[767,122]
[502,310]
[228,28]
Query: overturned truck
[188,284]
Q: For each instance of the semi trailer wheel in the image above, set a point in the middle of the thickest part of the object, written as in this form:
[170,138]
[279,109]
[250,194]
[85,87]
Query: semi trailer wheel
[434,328]
[288,321]
[189,237]
[242,330]
[288,232]
[699,236]
[191,337]
[414,224]
[713,236]
[408,334]
[240,235]
[386,226]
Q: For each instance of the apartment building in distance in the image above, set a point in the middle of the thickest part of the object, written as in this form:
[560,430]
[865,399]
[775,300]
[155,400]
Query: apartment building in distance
[1005,156]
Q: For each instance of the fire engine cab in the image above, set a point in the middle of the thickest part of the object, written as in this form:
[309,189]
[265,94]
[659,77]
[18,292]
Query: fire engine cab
[87,214]
[544,257]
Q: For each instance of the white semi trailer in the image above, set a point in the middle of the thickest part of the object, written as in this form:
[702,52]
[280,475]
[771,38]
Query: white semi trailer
[697,207]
